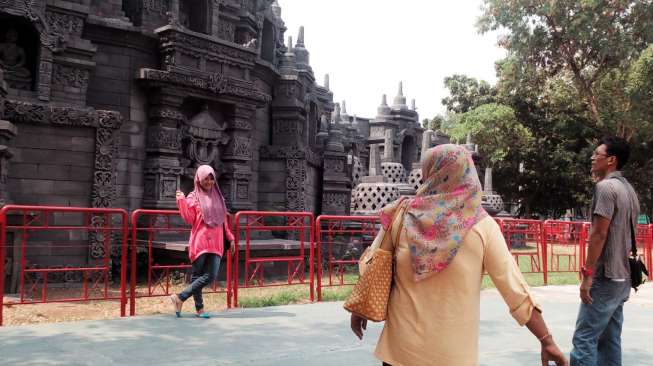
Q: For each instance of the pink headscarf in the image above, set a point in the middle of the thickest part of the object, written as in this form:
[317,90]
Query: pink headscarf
[445,208]
[211,202]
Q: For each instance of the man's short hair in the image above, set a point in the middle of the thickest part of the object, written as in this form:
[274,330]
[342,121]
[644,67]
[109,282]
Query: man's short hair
[618,147]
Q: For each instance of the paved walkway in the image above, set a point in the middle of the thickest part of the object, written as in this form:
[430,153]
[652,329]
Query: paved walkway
[315,334]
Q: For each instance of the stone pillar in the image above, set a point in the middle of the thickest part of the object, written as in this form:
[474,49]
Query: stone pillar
[427,139]
[336,182]
[487,187]
[388,146]
[7,132]
[375,171]
[163,147]
[237,175]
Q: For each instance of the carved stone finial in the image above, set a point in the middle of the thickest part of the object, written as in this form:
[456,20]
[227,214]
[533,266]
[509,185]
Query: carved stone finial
[289,45]
[400,100]
[383,109]
[326,81]
[300,37]
[412,104]
[336,114]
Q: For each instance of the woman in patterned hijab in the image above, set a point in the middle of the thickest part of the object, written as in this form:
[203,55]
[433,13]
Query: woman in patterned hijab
[445,242]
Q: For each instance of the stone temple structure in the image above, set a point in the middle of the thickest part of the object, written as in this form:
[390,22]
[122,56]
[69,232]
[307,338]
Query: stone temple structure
[115,103]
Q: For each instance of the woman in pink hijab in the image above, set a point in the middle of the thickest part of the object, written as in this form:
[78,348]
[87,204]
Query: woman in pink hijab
[205,210]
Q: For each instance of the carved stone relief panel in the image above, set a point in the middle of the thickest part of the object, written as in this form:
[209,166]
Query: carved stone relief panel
[226,30]
[70,76]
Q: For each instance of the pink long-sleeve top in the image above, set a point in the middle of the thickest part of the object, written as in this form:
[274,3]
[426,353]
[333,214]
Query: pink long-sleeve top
[203,239]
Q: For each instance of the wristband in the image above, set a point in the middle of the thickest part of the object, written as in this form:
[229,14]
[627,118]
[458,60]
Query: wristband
[544,337]
[586,272]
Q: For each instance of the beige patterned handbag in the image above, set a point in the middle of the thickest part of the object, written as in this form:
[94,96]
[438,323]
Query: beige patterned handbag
[369,298]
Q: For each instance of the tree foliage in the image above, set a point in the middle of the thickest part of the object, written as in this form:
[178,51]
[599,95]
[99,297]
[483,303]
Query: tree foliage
[587,38]
[576,70]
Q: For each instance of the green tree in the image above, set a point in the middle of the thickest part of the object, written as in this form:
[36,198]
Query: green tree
[494,128]
[466,93]
[587,38]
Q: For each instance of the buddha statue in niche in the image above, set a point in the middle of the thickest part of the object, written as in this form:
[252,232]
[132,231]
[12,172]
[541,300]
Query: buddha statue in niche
[13,61]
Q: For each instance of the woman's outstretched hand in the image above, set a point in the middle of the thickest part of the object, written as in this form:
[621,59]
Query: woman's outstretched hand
[180,194]
[358,325]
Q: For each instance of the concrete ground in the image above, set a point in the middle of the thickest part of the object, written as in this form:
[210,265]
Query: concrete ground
[314,334]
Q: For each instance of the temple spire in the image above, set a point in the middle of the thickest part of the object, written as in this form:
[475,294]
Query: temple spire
[300,37]
[383,109]
[400,100]
[326,81]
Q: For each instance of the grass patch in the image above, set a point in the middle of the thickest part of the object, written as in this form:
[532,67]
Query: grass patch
[299,294]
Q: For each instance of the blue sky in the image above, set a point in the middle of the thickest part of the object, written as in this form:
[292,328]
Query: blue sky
[368,46]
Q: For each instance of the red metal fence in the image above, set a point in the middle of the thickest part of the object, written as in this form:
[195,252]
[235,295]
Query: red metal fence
[340,240]
[293,230]
[563,240]
[334,244]
[154,230]
[57,233]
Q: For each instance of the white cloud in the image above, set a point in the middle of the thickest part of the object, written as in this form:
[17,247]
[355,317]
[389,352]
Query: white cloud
[368,46]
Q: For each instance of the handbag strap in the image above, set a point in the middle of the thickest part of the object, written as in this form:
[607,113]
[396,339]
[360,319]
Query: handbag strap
[400,215]
[633,248]
[633,241]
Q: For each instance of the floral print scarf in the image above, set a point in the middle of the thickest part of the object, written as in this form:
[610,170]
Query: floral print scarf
[446,207]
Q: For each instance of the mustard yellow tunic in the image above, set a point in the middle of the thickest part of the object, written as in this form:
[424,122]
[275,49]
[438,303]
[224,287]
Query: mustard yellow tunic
[436,321]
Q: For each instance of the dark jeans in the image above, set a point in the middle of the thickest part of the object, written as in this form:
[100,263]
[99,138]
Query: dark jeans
[597,339]
[205,271]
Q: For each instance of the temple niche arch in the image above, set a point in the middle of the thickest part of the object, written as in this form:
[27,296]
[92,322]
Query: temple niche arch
[19,52]
[204,137]
[408,152]
[267,44]
[196,15]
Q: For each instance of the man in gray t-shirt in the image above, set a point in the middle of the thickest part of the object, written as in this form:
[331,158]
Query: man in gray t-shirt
[606,286]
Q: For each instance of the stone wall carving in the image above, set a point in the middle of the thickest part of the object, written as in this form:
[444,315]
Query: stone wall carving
[295,191]
[335,200]
[287,127]
[64,24]
[214,83]
[155,6]
[52,36]
[239,147]
[107,125]
[334,166]
[291,152]
[70,76]
[159,137]
[173,39]
[227,31]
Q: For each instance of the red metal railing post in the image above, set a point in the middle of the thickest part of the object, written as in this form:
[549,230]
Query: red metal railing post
[311,266]
[3,254]
[649,248]
[545,258]
[132,281]
[236,255]
[318,234]
[123,263]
